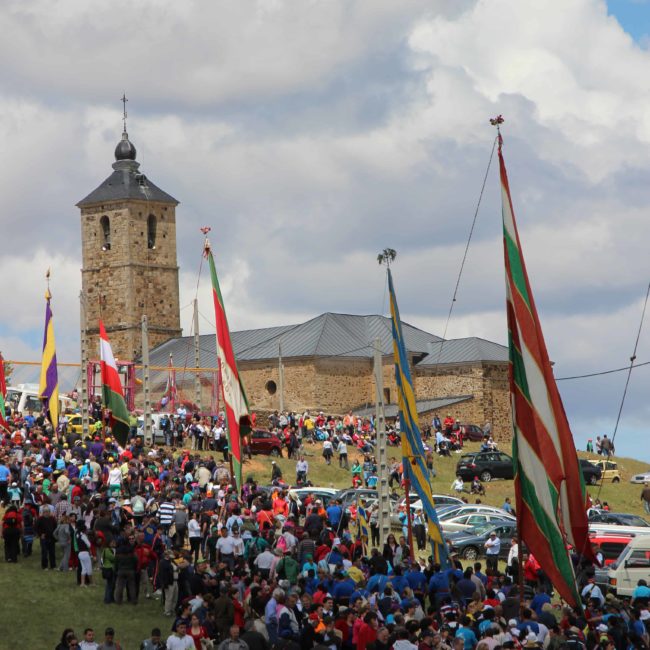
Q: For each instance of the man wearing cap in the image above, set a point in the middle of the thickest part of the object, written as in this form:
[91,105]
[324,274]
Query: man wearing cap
[492,549]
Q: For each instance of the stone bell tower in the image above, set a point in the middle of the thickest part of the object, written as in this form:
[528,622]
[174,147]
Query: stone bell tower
[128,240]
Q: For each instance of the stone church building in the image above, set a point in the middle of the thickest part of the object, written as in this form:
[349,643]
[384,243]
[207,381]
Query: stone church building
[130,269]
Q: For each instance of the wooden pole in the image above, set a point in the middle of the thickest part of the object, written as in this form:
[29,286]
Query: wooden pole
[85,419]
[409,516]
[383,518]
[145,382]
[197,359]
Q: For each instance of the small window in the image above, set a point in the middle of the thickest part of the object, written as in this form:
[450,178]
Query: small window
[386,395]
[151,232]
[271,387]
[105,223]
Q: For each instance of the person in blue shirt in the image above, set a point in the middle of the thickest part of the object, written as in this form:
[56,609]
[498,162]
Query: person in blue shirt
[377,583]
[5,475]
[477,572]
[416,579]
[358,594]
[398,581]
[334,514]
[507,506]
[539,600]
[641,593]
[343,587]
[467,634]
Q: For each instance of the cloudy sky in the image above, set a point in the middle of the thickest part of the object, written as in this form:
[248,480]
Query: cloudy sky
[310,134]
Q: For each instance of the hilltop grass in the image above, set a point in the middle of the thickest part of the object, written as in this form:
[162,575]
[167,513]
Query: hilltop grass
[38,604]
[621,497]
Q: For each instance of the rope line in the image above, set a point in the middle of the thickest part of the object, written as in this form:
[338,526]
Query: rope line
[469,240]
[629,374]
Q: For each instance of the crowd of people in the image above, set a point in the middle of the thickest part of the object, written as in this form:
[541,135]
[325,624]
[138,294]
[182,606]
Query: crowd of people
[257,568]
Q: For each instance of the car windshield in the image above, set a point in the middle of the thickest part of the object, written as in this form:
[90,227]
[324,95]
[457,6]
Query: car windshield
[633,520]
[481,529]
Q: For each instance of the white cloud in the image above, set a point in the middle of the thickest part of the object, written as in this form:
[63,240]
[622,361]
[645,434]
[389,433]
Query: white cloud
[311,135]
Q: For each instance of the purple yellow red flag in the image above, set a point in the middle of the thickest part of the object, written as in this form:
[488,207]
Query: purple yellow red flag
[49,383]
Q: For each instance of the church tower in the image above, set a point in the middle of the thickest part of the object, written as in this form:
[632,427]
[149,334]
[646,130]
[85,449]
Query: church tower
[128,240]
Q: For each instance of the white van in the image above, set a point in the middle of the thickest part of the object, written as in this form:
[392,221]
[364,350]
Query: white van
[24,398]
[632,565]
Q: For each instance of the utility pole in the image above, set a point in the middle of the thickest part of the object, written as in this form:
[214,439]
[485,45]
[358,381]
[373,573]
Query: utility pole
[382,461]
[145,381]
[280,377]
[197,358]
[85,420]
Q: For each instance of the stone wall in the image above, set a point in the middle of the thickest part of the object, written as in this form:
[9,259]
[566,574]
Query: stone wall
[336,385]
[132,278]
[487,382]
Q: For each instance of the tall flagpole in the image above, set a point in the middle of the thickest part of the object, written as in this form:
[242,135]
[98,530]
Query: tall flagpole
[197,358]
[85,416]
[382,464]
[145,380]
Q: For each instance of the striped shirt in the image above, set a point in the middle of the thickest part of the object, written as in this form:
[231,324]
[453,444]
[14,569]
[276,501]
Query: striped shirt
[166,513]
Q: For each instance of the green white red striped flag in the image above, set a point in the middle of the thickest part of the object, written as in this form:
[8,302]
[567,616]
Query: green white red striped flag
[3,392]
[237,411]
[112,393]
[549,488]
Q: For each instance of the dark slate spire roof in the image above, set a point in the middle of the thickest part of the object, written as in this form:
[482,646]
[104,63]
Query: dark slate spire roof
[126,182]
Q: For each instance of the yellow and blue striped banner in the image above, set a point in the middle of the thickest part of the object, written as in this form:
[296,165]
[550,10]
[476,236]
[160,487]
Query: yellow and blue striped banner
[413,459]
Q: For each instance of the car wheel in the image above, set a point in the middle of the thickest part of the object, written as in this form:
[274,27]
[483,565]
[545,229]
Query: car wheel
[616,480]
[486,477]
[470,553]
[275,452]
[593,480]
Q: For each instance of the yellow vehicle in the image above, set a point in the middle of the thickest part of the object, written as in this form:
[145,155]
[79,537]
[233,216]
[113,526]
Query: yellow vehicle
[74,423]
[609,469]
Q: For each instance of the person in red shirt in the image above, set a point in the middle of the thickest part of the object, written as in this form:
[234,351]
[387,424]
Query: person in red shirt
[12,524]
[280,505]
[367,633]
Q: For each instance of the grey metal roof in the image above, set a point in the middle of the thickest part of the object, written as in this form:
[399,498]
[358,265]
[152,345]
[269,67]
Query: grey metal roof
[127,183]
[423,406]
[468,350]
[340,335]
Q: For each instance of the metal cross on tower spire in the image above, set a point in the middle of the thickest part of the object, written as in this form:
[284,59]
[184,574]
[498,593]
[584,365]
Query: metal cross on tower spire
[124,113]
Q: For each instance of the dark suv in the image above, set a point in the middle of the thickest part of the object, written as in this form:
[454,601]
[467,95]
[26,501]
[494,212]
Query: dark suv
[486,465]
[590,472]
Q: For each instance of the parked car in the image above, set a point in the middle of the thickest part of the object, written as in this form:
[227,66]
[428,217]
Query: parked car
[477,519]
[439,501]
[349,496]
[322,493]
[596,516]
[590,472]
[486,465]
[75,423]
[470,545]
[644,477]
[609,470]
[632,565]
[265,442]
[471,509]
[472,432]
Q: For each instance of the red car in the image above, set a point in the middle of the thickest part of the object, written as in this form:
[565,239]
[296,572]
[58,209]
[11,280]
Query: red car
[265,442]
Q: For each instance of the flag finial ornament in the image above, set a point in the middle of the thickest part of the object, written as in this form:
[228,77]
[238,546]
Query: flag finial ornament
[206,244]
[48,295]
[498,121]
